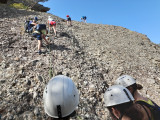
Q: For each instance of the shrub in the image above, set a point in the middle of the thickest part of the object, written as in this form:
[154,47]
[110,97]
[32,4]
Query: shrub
[19,6]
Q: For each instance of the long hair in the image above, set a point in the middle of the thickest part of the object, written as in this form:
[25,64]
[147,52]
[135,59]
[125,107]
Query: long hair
[129,110]
[134,88]
[133,113]
[121,108]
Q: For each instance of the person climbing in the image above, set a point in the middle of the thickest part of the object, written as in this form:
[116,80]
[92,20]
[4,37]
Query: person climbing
[30,24]
[83,18]
[120,103]
[40,32]
[60,98]
[68,20]
[35,20]
[51,25]
[130,83]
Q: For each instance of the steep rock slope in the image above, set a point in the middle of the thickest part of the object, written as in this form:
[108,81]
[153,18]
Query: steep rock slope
[92,55]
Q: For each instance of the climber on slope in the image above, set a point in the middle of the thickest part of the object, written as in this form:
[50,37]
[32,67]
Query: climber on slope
[52,25]
[130,83]
[120,103]
[30,24]
[83,18]
[68,20]
[40,32]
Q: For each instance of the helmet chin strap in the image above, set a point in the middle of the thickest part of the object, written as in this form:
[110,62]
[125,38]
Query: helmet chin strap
[59,111]
[127,95]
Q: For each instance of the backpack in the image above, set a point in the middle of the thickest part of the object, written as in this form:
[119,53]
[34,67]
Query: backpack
[154,109]
[40,27]
[28,26]
[84,17]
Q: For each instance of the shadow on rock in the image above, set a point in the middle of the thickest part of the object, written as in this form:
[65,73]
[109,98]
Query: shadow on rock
[64,34]
[57,47]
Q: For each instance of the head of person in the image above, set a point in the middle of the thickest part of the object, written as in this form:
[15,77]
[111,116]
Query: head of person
[35,19]
[67,16]
[118,99]
[128,82]
[60,97]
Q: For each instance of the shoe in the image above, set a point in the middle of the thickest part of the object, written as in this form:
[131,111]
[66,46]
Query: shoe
[39,52]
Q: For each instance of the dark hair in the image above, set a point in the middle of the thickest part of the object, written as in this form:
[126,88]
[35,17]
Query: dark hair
[128,109]
[121,108]
[134,87]
[133,113]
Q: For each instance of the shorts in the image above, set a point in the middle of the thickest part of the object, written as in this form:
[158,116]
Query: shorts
[52,23]
[38,36]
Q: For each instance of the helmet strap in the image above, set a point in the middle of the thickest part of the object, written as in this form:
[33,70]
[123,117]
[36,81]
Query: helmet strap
[59,111]
[134,88]
[127,94]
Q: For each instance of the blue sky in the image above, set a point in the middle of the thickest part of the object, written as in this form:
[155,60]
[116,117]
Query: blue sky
[142,16]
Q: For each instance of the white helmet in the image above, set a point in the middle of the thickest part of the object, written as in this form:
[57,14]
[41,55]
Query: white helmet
[125,80]
[60,97]
[116,95]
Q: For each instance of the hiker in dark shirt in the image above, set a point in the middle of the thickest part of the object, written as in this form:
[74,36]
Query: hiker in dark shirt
[29,24]
[68,20]
[83,18]
[40,33]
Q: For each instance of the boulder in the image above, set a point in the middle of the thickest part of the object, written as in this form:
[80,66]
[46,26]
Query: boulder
[3,1]
[41,8]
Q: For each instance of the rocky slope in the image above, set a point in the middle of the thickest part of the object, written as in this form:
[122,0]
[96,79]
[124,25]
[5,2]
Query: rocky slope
[92,55]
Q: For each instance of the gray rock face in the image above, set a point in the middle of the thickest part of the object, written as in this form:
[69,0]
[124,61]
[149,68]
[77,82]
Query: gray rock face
[94,56]
[41,8]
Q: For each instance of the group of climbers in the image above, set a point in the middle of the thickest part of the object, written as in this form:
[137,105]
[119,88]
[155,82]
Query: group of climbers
[40,30]
[61,96]
[123,101]
[83,19]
